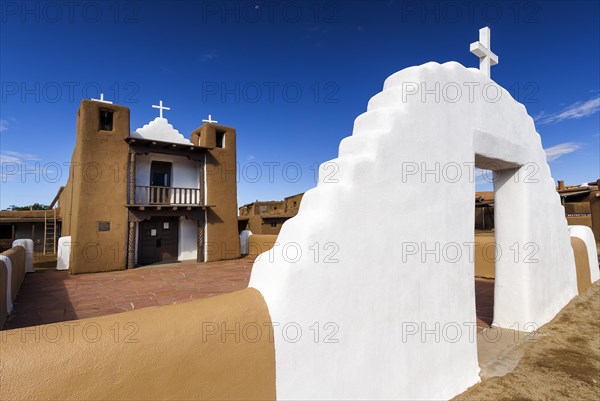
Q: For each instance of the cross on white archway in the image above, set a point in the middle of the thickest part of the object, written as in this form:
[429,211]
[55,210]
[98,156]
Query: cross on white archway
[102,99]
[161,108]
[210,120]
[482,49]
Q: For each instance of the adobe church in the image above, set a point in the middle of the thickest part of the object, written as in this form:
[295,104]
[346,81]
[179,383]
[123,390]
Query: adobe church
[148,196]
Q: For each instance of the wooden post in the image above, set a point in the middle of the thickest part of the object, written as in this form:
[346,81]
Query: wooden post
[202,200]
[54,234]
[132,178]
[45,229]
[200,257]
[131,246]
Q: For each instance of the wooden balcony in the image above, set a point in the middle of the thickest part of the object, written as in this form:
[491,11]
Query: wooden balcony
[167,197]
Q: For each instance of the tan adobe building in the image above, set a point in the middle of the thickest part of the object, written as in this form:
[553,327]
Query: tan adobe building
[267,217]
[37,225]
[148,196]
[581,203]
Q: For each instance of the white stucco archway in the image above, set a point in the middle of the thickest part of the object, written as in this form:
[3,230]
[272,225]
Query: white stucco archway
[384,269]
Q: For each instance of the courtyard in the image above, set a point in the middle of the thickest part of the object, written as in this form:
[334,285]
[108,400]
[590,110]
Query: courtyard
[51,296]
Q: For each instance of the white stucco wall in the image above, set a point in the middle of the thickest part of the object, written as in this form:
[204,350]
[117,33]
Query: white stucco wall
[63,253]
[28,245]
[185,173]
[394,278]
[188,239]
[159,129]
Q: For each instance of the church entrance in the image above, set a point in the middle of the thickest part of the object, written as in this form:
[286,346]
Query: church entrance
[158,240]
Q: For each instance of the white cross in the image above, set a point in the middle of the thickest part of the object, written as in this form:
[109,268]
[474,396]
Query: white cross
[482,49]
[161,108]
[102,99]
[210,120]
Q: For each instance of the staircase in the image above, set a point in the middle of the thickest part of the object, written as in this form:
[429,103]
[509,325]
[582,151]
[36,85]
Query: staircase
[50,232]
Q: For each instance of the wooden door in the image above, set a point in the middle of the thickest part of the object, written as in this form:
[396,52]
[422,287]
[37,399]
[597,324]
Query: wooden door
[158,240]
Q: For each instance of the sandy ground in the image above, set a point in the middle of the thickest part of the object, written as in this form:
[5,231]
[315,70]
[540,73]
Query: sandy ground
[561,363]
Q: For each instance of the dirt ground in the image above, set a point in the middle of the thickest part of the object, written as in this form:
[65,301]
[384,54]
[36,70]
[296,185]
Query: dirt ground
[561,363]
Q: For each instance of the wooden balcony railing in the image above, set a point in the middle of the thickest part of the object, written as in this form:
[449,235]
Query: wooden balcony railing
[167,196]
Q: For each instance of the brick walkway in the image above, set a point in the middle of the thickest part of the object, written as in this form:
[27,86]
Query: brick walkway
[484,303]
[49,296]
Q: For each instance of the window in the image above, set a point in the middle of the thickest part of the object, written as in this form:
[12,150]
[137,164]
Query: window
[6,232]
[160,174]
[263,209]
[274,224]
[106,120]
[220,136]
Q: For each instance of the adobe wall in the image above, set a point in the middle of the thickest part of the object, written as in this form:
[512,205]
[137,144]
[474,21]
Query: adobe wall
[582,265]
[257,225]
[585,258]
[98,191]
[65,204]
[258,244]
[580,221]
[218,348]
[595,210]
[17,260]
[221,191]
[290,200]
[267,229]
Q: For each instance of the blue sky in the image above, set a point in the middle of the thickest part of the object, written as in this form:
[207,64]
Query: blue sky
[290,76]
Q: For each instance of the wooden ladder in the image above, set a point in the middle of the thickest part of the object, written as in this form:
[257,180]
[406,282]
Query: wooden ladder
[50,232]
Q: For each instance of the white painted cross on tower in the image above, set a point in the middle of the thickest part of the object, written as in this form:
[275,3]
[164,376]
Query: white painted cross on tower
[102,99]
[161,108]
[482,49]
[210,120]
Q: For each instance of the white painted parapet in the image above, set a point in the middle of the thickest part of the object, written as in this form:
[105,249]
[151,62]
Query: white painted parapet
[9,284]
[382,290]
[586,234]
[244,236]
[64,253]
[28,245]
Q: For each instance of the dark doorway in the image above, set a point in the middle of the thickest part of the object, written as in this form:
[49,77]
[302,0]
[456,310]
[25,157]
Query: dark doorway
[160,177]
[158,240]
[160,174]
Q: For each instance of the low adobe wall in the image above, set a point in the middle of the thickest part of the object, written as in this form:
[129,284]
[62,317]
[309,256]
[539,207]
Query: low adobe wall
[258,244]
[16,255]
[484,255]
[218,348]
[584,253]
[580,251]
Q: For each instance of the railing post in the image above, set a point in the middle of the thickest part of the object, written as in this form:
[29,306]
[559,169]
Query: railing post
[154,195]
